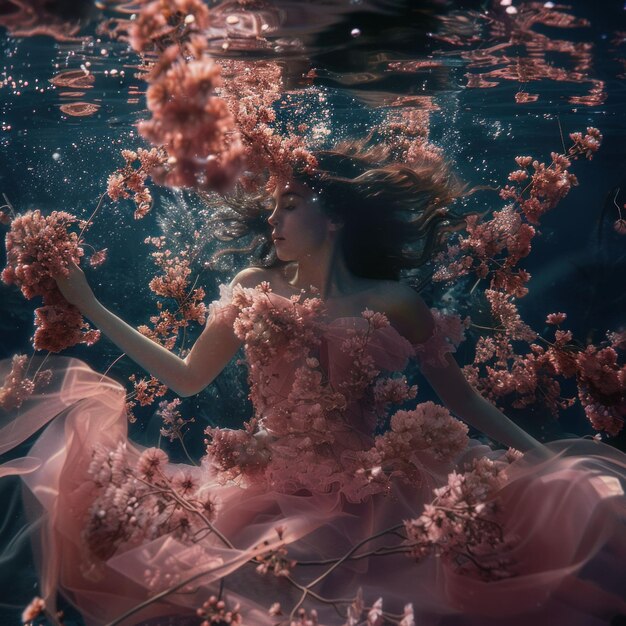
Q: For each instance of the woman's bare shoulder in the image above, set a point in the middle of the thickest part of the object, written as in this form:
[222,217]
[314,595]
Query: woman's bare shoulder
[252,276]
[406,309]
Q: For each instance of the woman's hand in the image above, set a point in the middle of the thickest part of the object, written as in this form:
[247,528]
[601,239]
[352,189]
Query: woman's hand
[75,288]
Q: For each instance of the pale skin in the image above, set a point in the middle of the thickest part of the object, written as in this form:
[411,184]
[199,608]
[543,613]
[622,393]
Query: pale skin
[308,239]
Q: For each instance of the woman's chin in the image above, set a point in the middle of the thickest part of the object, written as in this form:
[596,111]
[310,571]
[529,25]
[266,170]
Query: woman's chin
[283,255]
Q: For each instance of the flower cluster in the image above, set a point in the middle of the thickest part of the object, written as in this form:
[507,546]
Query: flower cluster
[38,248]
[145,391]
[251,91]
[139,498]
[173,422]
[98,257]
[131,181]
[492,249]
[174,283]
[548,185]
[406,131]
[392,391]
[34,609]
[268,327]
[212,129]
[505,313]
[160,25]
[188,119]
[192,122]
[215,611]
[363,373]
[359,614]
[534,377]
[237,453]
[461,523]
[448,334]
[602,388]
[429,430]
[17,387]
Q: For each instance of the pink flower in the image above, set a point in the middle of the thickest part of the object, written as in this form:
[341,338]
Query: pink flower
[17,387]
[150,461]
[98,258]
[620,226]
[33,610]
[38,248]
[556,318]
[115,187]
[216,611]
[275,609]
[173,422]
[462,521]
[375,614]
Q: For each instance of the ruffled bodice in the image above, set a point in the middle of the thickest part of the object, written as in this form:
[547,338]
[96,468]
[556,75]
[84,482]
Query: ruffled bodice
[319,388]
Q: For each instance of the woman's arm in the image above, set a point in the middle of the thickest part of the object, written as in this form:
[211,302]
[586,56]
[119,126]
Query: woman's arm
[463,400]
[411,316]
[209,355]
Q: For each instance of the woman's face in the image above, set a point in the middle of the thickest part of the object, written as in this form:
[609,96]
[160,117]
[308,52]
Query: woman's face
[300,228]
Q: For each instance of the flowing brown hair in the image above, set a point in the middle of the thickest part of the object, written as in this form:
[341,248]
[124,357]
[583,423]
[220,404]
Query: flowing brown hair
[396,215]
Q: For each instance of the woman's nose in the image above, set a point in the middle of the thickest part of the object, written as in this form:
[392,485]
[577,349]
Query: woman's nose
[273,218]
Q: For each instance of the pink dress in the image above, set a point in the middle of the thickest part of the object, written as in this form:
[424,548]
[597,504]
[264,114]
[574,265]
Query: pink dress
[308,507]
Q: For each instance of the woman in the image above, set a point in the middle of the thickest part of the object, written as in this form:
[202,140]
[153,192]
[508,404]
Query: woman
[306,494]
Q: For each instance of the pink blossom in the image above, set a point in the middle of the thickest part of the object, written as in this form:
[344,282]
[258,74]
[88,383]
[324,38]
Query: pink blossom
[115,187]
[617,339]
[215,611]
[98,258]
[375,614]
[408,619]
[556,318]
[507,316]
[392,391]
[602,388]
[275,609]
[142,498]
[463,520]
[620,226]
[38,248]
[150,461]
[17,387]
[586,144]
[33,610]
[173,422]
[130,181]
[305,618]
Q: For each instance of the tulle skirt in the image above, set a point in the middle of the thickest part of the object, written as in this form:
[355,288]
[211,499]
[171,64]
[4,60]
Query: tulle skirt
[568,513]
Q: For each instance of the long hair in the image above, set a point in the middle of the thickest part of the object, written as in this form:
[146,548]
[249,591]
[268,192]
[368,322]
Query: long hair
[395,215]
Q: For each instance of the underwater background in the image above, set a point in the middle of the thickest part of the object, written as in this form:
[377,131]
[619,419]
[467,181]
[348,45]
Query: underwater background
[493,80]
